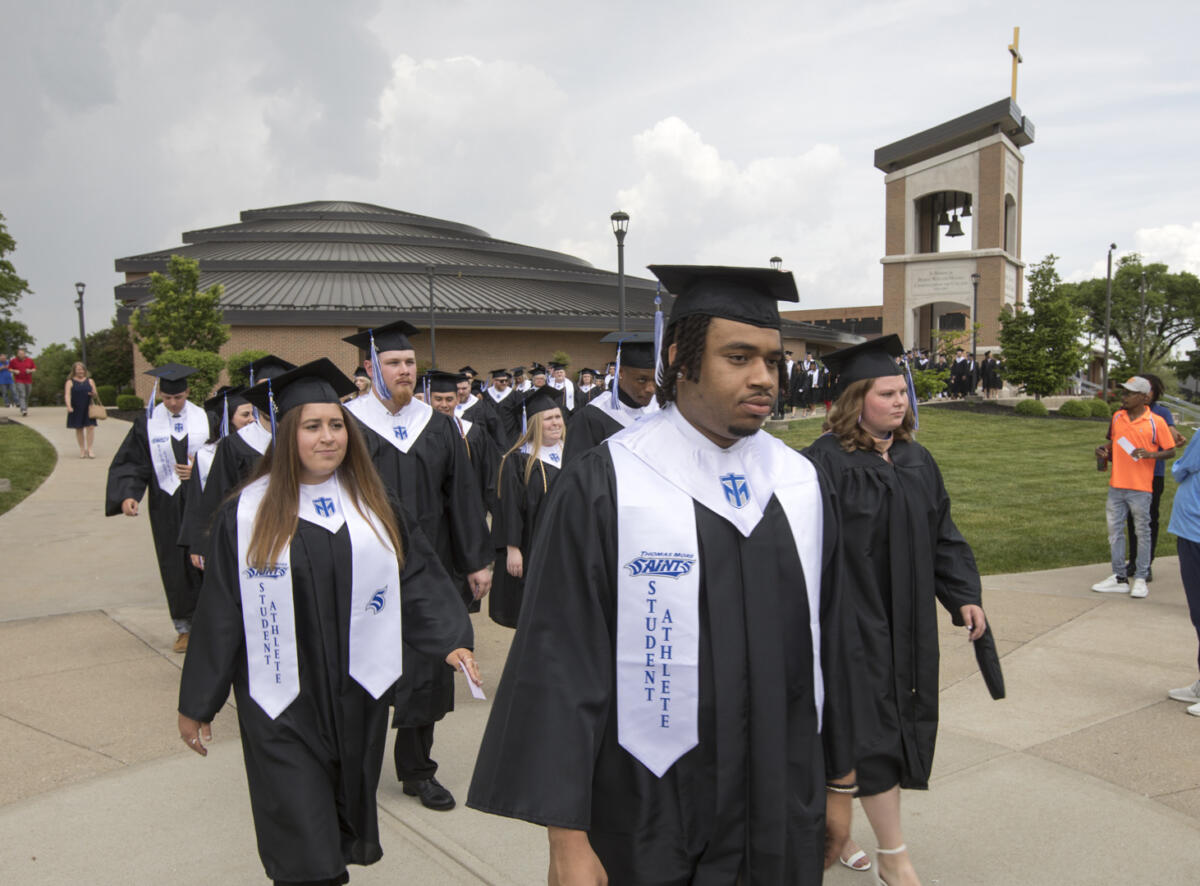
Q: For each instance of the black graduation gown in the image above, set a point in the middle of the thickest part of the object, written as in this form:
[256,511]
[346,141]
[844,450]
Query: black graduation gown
[750,796]
[313,770]
[485,463]
[233,462]
[520,510]
[436,483]
[902,550]
[508,411]
[129,476]
[588,428]
[481,413]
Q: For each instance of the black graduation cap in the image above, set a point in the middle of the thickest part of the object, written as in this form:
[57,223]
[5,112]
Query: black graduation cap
[988,660]
[500,373]
[236,395]
[586,371]
[540,400]
[518,370]
[269,366]
[745,295]
[871,359]
[392,337]
[537,369]
[360,372]
[637,348]
[443,382]
[172,377]
[316,382]
[468,370]
[557,366]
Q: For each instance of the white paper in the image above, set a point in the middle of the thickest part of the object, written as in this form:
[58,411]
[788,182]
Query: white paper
[476,689]
[1126,445]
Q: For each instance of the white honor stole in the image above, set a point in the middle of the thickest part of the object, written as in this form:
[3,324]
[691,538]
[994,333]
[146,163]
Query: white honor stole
[268,611]
[622,414]
[161,427]
[498,396]
[255,436]
[550,455]
[568,388]
[204,460]
[662,464]
[401,429]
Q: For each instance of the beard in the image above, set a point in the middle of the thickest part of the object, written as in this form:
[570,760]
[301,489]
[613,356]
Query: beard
[401,396]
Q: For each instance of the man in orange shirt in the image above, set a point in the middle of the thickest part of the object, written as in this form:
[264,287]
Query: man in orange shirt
[1137,437]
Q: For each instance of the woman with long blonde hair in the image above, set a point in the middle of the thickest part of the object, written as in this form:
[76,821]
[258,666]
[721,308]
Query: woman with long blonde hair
[903,553]
[312,582]
[78,393]
[527,472]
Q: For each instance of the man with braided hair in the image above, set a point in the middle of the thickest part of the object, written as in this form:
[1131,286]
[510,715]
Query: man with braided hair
[673,707]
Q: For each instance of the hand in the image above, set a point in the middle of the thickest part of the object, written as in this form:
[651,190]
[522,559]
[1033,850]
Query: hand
[480,583]
[69,410]
[573,862]
[515,564]
[465,657]
[197,560]
[129,507]
[194,734]
[974,619]
[838,812]
[184,471]
[1102,452]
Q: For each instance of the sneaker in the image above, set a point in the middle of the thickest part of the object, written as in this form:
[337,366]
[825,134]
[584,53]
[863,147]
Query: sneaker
[1194,710]
[1189,694]
[1114,584]
[1139,588]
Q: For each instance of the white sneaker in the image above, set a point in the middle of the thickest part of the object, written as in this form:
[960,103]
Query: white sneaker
[1189,694]
[1139,588]
[1112,585]
[1194,710]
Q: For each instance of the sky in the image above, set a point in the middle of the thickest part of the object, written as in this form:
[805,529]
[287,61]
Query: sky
[729,132]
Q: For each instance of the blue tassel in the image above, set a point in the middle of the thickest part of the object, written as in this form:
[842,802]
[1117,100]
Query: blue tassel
[617,379]
[250,369]
[912,395]
[658,335]
[224,416]
[150,404]
[524,420]
[377,372]
[271,402]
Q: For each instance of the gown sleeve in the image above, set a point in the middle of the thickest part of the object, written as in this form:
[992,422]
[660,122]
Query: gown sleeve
[469,538]
[512,501]
[130,471]
[223,476]
[435,622]
[955,573]
[583,433]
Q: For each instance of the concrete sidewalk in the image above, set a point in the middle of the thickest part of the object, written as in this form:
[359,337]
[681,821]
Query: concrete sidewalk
[1085,774]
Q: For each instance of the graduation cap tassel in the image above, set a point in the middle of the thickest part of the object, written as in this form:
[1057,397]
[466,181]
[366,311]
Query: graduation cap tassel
[250,369]
[377,372]
[224,416]
[658,336]
[150,402]
[616,379]
[271,406]
[912,395]
[524,420]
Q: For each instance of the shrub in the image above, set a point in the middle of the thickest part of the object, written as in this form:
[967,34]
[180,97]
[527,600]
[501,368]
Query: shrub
[1099,408]
[929,383]
[1075,409]
[1114,406]
[561,357]
[236,366]
[208,368]
[107,394]
[1031,407]
[128,402]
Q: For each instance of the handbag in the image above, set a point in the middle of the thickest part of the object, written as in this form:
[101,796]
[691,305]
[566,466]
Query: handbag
[96,410]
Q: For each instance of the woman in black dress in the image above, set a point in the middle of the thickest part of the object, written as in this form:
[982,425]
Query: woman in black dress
[902,553]
[77,394]
[527,473]
[312,564]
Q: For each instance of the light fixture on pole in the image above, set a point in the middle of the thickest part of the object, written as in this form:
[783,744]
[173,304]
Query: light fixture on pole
[432,321]
[1107,323]
[79,287]
[975,278]
[776,263]
[620,224]
[1142,326]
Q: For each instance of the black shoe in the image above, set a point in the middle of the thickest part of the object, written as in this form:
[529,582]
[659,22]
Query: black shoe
[432,794]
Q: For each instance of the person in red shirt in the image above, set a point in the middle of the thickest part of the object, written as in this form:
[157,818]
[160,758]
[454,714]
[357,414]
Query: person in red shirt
[1137,438]
[22,367]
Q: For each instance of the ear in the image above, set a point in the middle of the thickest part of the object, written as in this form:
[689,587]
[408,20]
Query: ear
[671,349]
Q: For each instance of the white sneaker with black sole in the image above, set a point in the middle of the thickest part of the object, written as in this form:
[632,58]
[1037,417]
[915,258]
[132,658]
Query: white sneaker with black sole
[1114,584]
[1139,588]
[1188,694]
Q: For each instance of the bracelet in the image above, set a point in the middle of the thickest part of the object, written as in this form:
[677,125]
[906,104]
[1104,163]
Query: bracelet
[851,788]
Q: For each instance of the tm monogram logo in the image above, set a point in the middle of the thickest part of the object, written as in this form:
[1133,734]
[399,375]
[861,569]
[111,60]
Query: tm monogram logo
[554,457]
[324,506]
[378,600]
[401,432]
[670,567]
[737,493]
[178,427]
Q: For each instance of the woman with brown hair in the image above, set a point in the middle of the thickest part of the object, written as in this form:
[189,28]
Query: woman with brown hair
[78,393]
[310,567]
[902,552]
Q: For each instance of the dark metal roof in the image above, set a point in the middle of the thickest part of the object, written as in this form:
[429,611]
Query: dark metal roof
[1002,116]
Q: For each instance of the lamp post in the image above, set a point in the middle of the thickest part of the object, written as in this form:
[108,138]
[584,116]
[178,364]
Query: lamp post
[1142,326]
[776,263]
[975,278]
[1107,323]
[620,224]
[79,287]
[432,321]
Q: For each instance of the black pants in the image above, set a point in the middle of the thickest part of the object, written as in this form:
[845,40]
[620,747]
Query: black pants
[413,746]
[1189,571]
[336,881]
[1156,492]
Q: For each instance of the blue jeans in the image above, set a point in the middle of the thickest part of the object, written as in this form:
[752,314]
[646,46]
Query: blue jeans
[1136,504]
[9,395]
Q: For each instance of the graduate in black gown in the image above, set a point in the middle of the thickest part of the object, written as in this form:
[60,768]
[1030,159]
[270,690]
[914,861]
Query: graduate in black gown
[603,415]
[672,706]
[420,455]
[235,458]
[527,473]
[500,395]
[903,555]
[477,410]
[316,534]
[588,389]
[156,458]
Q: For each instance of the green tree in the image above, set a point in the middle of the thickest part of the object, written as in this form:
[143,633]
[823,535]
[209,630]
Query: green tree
[181,316]
[238,365]
[12,332]
[208,368]
[1042,345]
[53,367]
[110,356]
[1149,335]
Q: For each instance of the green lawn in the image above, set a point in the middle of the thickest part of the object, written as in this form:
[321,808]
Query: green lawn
[26,458]
[1025,491]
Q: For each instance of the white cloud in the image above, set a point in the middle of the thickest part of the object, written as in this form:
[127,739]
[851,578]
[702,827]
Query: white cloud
[1177,246]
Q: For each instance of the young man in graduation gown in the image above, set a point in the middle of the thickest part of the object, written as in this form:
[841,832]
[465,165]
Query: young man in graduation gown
[587,390]
[156,457]
[476,409]
[500,396]
[559,381]
[233,461]
[672,707]
[631,401]
[421,455]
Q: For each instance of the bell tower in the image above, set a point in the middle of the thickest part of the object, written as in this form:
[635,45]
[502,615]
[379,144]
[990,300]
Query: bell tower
[953,223]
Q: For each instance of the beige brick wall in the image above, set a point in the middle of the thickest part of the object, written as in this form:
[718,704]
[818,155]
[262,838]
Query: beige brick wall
[989,214]
[896,213]
[893,300]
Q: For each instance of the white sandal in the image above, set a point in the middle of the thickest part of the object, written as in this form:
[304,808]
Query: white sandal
[903,847]
[854,859]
